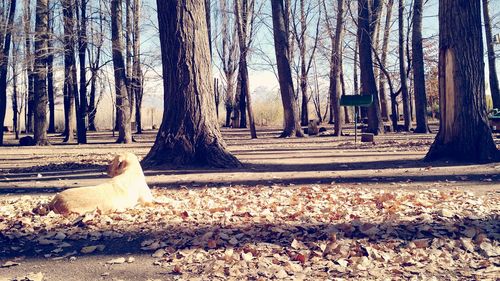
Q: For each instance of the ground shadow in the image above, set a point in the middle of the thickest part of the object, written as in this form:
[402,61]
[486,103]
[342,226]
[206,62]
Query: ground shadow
[188,234]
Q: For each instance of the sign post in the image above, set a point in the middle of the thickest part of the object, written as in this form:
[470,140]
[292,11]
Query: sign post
[355,101]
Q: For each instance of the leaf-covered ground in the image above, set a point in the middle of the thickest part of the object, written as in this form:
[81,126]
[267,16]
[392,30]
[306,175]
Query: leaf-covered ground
[314,232]
[317,208]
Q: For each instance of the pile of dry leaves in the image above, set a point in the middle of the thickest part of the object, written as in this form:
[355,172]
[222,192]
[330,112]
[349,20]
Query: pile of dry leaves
[282,232]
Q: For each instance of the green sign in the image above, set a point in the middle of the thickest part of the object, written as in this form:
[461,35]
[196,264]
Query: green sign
[356,100]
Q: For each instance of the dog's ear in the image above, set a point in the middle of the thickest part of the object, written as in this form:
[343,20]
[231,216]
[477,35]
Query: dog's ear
[122,163]
[113,166]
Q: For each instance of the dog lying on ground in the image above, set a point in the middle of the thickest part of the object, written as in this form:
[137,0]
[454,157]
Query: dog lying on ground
[126,189]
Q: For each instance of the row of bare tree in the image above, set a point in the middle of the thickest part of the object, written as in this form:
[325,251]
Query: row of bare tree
[304,21]
[189,133]
[82,28]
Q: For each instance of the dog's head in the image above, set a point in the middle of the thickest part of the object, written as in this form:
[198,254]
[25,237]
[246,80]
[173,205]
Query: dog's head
[120,163]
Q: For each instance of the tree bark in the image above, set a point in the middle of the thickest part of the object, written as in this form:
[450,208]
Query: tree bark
[464,133]
[122,97]
[243,13]
[40,69]
[335,70]
[281,46]
[50,75]
[493,77]
[17,102]
[402,69]
[29,65]
[189,133]
[4,63]
[418,69]
[368,83]
[70,82]
[228,53]
[384,110]
[81,102]
[301,42]
[128,56]
[137,75]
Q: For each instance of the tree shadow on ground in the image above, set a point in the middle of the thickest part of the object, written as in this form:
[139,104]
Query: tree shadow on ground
[189,234]
[261,171]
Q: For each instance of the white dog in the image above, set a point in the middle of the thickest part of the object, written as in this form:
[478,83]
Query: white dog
[126,189]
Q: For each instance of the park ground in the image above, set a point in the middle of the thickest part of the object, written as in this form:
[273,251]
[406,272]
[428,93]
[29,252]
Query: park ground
[314,208]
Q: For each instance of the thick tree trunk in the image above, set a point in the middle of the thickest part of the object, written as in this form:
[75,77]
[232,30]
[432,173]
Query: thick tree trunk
[335,69]
[418,69]
[40,69]
[464,133]
[493,77]
[70,82]
[402,69]
[384,110]
[4,63]
[189,134]
[281,45]
[368,83]
[50,75]
[122,97]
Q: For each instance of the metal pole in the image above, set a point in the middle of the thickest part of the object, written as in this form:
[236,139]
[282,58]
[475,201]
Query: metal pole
[355,126]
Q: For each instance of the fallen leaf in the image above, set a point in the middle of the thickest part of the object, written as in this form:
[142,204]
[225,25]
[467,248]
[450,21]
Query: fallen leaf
[116,261]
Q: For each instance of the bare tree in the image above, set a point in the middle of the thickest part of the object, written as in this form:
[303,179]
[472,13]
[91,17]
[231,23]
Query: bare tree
[368,84]
[282,50]
[335,89]
[81,101]
[122,98]
[40,69]
[402,68]
[189,133]
[5,38]
[94,52]
[464,133]
[29,64]
[137,75]
[129,15]
[385,45]
[228,54]
[418,69]
[17,97]
[50,74]
[245,19]
[301,37]
[493,77]
[70,88]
